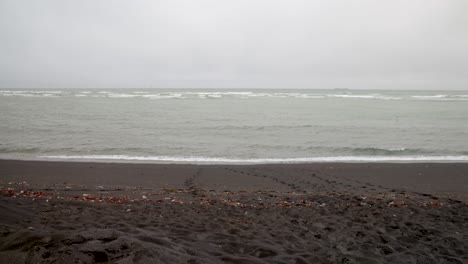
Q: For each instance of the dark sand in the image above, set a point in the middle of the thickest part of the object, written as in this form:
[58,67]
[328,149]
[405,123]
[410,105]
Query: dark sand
[70,212]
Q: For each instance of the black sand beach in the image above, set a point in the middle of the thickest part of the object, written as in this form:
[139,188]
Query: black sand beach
[84,212]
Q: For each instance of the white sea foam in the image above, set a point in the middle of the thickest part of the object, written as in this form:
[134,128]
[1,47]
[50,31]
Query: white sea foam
[221,160]
[310,96]
[150,96]
[20,94]
[365,96]
[162,96]
[11,91]
[428,97]
[114,95]
[284,94]
[233,94]
[50,92]
[31,93]
[441,97]
[40,92]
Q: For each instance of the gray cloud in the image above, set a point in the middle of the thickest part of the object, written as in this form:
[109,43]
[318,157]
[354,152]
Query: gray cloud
[418,44]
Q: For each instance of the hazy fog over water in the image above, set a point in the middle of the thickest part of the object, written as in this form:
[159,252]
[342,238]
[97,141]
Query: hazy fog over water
[419,44]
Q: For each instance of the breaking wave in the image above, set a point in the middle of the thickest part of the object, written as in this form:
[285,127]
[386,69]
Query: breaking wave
[222,160]
[156,94]
[442,97]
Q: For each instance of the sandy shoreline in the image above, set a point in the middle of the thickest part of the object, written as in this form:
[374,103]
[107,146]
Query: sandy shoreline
[64,212]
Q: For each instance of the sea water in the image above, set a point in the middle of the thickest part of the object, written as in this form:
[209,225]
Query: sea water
[233,126]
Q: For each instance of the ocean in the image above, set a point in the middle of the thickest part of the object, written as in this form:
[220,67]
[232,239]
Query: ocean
[234,126]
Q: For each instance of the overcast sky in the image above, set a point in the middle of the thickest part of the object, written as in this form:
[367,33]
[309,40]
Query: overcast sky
[407,44]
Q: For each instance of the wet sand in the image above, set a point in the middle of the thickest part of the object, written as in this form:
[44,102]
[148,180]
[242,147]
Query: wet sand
[73,212]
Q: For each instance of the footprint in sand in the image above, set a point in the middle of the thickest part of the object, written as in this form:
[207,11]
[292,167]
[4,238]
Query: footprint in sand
[190,183]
